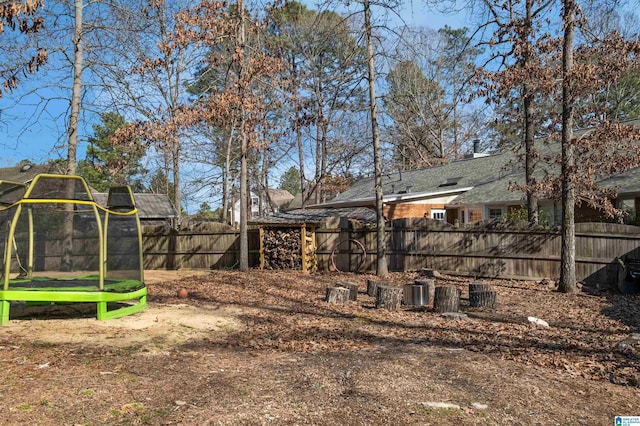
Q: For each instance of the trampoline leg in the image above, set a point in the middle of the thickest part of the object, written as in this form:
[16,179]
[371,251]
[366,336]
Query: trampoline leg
[4,311]
[102,310]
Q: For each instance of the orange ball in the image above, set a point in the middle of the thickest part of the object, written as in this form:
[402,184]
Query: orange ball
[183,293]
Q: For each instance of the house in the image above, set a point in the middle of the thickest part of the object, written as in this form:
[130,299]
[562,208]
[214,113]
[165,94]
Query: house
[432,192]
[24,172]
[476,188]
[273,199]
[153,209]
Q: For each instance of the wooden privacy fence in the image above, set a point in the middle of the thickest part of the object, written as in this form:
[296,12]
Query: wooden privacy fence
[482,251]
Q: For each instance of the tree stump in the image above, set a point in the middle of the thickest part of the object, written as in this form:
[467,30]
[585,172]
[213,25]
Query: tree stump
[372,286]
[429,288]
[388,297]
[337,295]
[353,288]
[483,299]
[446,299]
[430,273]
[479,286]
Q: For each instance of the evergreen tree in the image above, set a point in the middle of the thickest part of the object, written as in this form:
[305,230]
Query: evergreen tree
[290,180]
[106,164]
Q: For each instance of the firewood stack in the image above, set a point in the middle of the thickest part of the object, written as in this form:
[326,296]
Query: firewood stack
[282,248]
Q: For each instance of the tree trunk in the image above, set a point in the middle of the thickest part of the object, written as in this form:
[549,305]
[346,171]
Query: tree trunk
[66,262]
[389,297]
[529,131]
[568,254]
[447,299]
[381,259]
[319,171]
[76,92]
[227,197]
[372,287]
[296,99]
[244,196]
[353,289]
[337,295]
[175,158]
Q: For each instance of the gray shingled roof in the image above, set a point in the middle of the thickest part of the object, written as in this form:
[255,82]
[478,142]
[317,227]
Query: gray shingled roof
[317,216]
[150,206]
[24,173]
[627,183]
[493,192]
[280,196]
[457,176]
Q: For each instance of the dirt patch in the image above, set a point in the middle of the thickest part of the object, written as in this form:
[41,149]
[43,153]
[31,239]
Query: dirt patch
[264,348]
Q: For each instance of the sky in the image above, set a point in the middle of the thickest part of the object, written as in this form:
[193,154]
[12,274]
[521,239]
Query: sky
[32,130]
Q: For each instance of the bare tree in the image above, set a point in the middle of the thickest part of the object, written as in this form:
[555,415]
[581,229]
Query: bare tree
[228,36]
[381,243]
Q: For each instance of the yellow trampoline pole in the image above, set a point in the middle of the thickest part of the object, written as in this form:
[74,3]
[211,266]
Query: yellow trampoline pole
[31,244]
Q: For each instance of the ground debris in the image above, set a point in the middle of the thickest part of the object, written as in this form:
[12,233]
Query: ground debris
[263,347]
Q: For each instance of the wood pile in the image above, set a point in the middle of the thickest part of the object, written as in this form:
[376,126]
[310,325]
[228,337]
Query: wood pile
[282,248]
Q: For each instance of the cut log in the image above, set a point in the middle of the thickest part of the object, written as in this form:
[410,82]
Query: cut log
[479,286]
[430,289]
[483,299]
[388,297]
[337,295]
[447,299]
[353,289]
[430,273]
[372,286]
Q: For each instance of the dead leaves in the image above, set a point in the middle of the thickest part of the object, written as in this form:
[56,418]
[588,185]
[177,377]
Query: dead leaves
[285,312]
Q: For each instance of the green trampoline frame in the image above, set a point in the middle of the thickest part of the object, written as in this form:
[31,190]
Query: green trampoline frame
[101,293]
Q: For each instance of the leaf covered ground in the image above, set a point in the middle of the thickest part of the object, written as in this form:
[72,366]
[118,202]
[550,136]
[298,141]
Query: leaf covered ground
[264,348]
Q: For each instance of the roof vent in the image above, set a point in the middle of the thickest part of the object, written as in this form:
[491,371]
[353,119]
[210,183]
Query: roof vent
[25,167]
[450,182]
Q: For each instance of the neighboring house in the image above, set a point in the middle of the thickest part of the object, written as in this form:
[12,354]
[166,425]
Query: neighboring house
[24,172]
[473,189]
[153,209]
[431,192]
[276,199]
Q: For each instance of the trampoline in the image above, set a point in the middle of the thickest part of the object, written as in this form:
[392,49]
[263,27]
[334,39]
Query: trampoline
[60,246]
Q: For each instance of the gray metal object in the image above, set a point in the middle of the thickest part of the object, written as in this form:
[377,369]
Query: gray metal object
[415,295]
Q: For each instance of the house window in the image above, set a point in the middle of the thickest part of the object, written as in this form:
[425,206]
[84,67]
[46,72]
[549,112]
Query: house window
[495,212]
[438,214]
[255,205]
